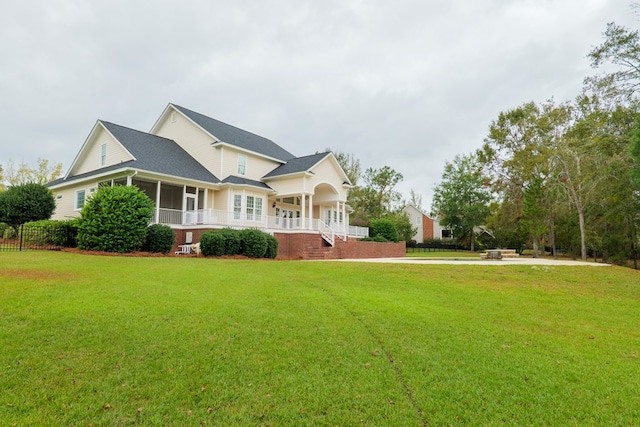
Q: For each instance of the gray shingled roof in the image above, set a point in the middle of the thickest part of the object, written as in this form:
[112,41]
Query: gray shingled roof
[153,154]
[299,164]
[238,137]
[237,180]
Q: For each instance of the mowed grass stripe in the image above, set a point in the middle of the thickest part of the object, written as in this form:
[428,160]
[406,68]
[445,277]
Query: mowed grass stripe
[157,341]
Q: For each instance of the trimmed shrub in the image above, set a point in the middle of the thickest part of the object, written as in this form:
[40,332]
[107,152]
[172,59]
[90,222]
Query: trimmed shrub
[212,243]
[385,228]
[232,241]
[25,203]
[272,247]
[254,243]
[115,219]
[379,238]
[160,239]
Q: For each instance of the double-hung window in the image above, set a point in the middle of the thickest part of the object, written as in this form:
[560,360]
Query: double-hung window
[250,207]
[80,199]
[103,154]
[242,164]
[237,206]
[258,208]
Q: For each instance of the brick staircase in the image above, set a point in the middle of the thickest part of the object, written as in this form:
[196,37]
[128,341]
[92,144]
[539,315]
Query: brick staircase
[312,246]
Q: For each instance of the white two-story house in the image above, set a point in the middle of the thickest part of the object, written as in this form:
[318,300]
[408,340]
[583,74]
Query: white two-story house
[203,174]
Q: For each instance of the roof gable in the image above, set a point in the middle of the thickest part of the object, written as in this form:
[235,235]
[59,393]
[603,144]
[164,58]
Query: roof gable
[99,135]
[147,152]
[228,134]
[156,154]
[297,165]
[307,164]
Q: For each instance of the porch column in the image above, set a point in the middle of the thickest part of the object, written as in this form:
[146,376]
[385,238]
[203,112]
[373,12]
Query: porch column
[345,223]
[303,203]
[158,202]
[311,211]
[205,206]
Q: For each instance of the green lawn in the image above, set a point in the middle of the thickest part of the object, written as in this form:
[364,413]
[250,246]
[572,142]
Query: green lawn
[414,253]
[107,341]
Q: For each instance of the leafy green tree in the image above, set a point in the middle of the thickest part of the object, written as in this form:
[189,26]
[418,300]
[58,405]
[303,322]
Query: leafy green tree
[534,210]
[25,203]
[405,228]
[350,164]
[378,196]
[634,153]
[461,199]
[621,47]
[23,174]
[115,219]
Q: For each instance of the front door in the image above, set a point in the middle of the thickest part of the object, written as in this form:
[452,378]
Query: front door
[287,218]
[190,214]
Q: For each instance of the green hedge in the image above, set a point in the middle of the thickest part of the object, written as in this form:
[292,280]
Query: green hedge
[51,232]
[115,219]
[384,227]
[212,243]
[160,239]
[252,243]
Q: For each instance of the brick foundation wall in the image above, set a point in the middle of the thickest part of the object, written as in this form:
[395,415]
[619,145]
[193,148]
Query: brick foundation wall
[313,246]
[306,246]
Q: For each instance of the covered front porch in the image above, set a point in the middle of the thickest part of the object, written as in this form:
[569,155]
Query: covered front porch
[189,205]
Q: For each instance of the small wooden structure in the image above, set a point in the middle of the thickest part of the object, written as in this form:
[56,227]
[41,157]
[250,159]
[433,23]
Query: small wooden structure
[499,254]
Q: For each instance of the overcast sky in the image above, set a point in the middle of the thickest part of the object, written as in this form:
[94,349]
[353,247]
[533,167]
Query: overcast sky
[404,83]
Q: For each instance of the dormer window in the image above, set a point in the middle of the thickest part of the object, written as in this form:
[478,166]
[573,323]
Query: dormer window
[242,164]
[103,155]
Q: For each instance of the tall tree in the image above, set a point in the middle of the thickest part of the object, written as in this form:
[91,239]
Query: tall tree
[621,47]
[378,196]
[461,199]
[518,149]
[534,208]
[415,199]
[23,174]
[350,165]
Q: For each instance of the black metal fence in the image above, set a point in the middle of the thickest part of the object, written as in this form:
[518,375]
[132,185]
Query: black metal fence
[36,237]
[433,247]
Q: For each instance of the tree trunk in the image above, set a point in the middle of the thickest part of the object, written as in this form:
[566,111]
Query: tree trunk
[583,234]
[535,247]
[552,239]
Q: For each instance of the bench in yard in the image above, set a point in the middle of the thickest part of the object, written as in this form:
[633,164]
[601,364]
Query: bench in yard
[499,254]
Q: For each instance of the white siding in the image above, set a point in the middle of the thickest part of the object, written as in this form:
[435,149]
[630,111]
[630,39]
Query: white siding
[92,155]
[192,139]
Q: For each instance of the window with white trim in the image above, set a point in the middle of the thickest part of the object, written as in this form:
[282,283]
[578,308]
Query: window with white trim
[80,199]
[242,164]
[103,154]
[237,206]
[258,208]
[250,207]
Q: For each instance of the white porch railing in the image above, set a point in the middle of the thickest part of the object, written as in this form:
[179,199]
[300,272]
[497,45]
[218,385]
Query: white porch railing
[211,217]
[327,232]
[356,231]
